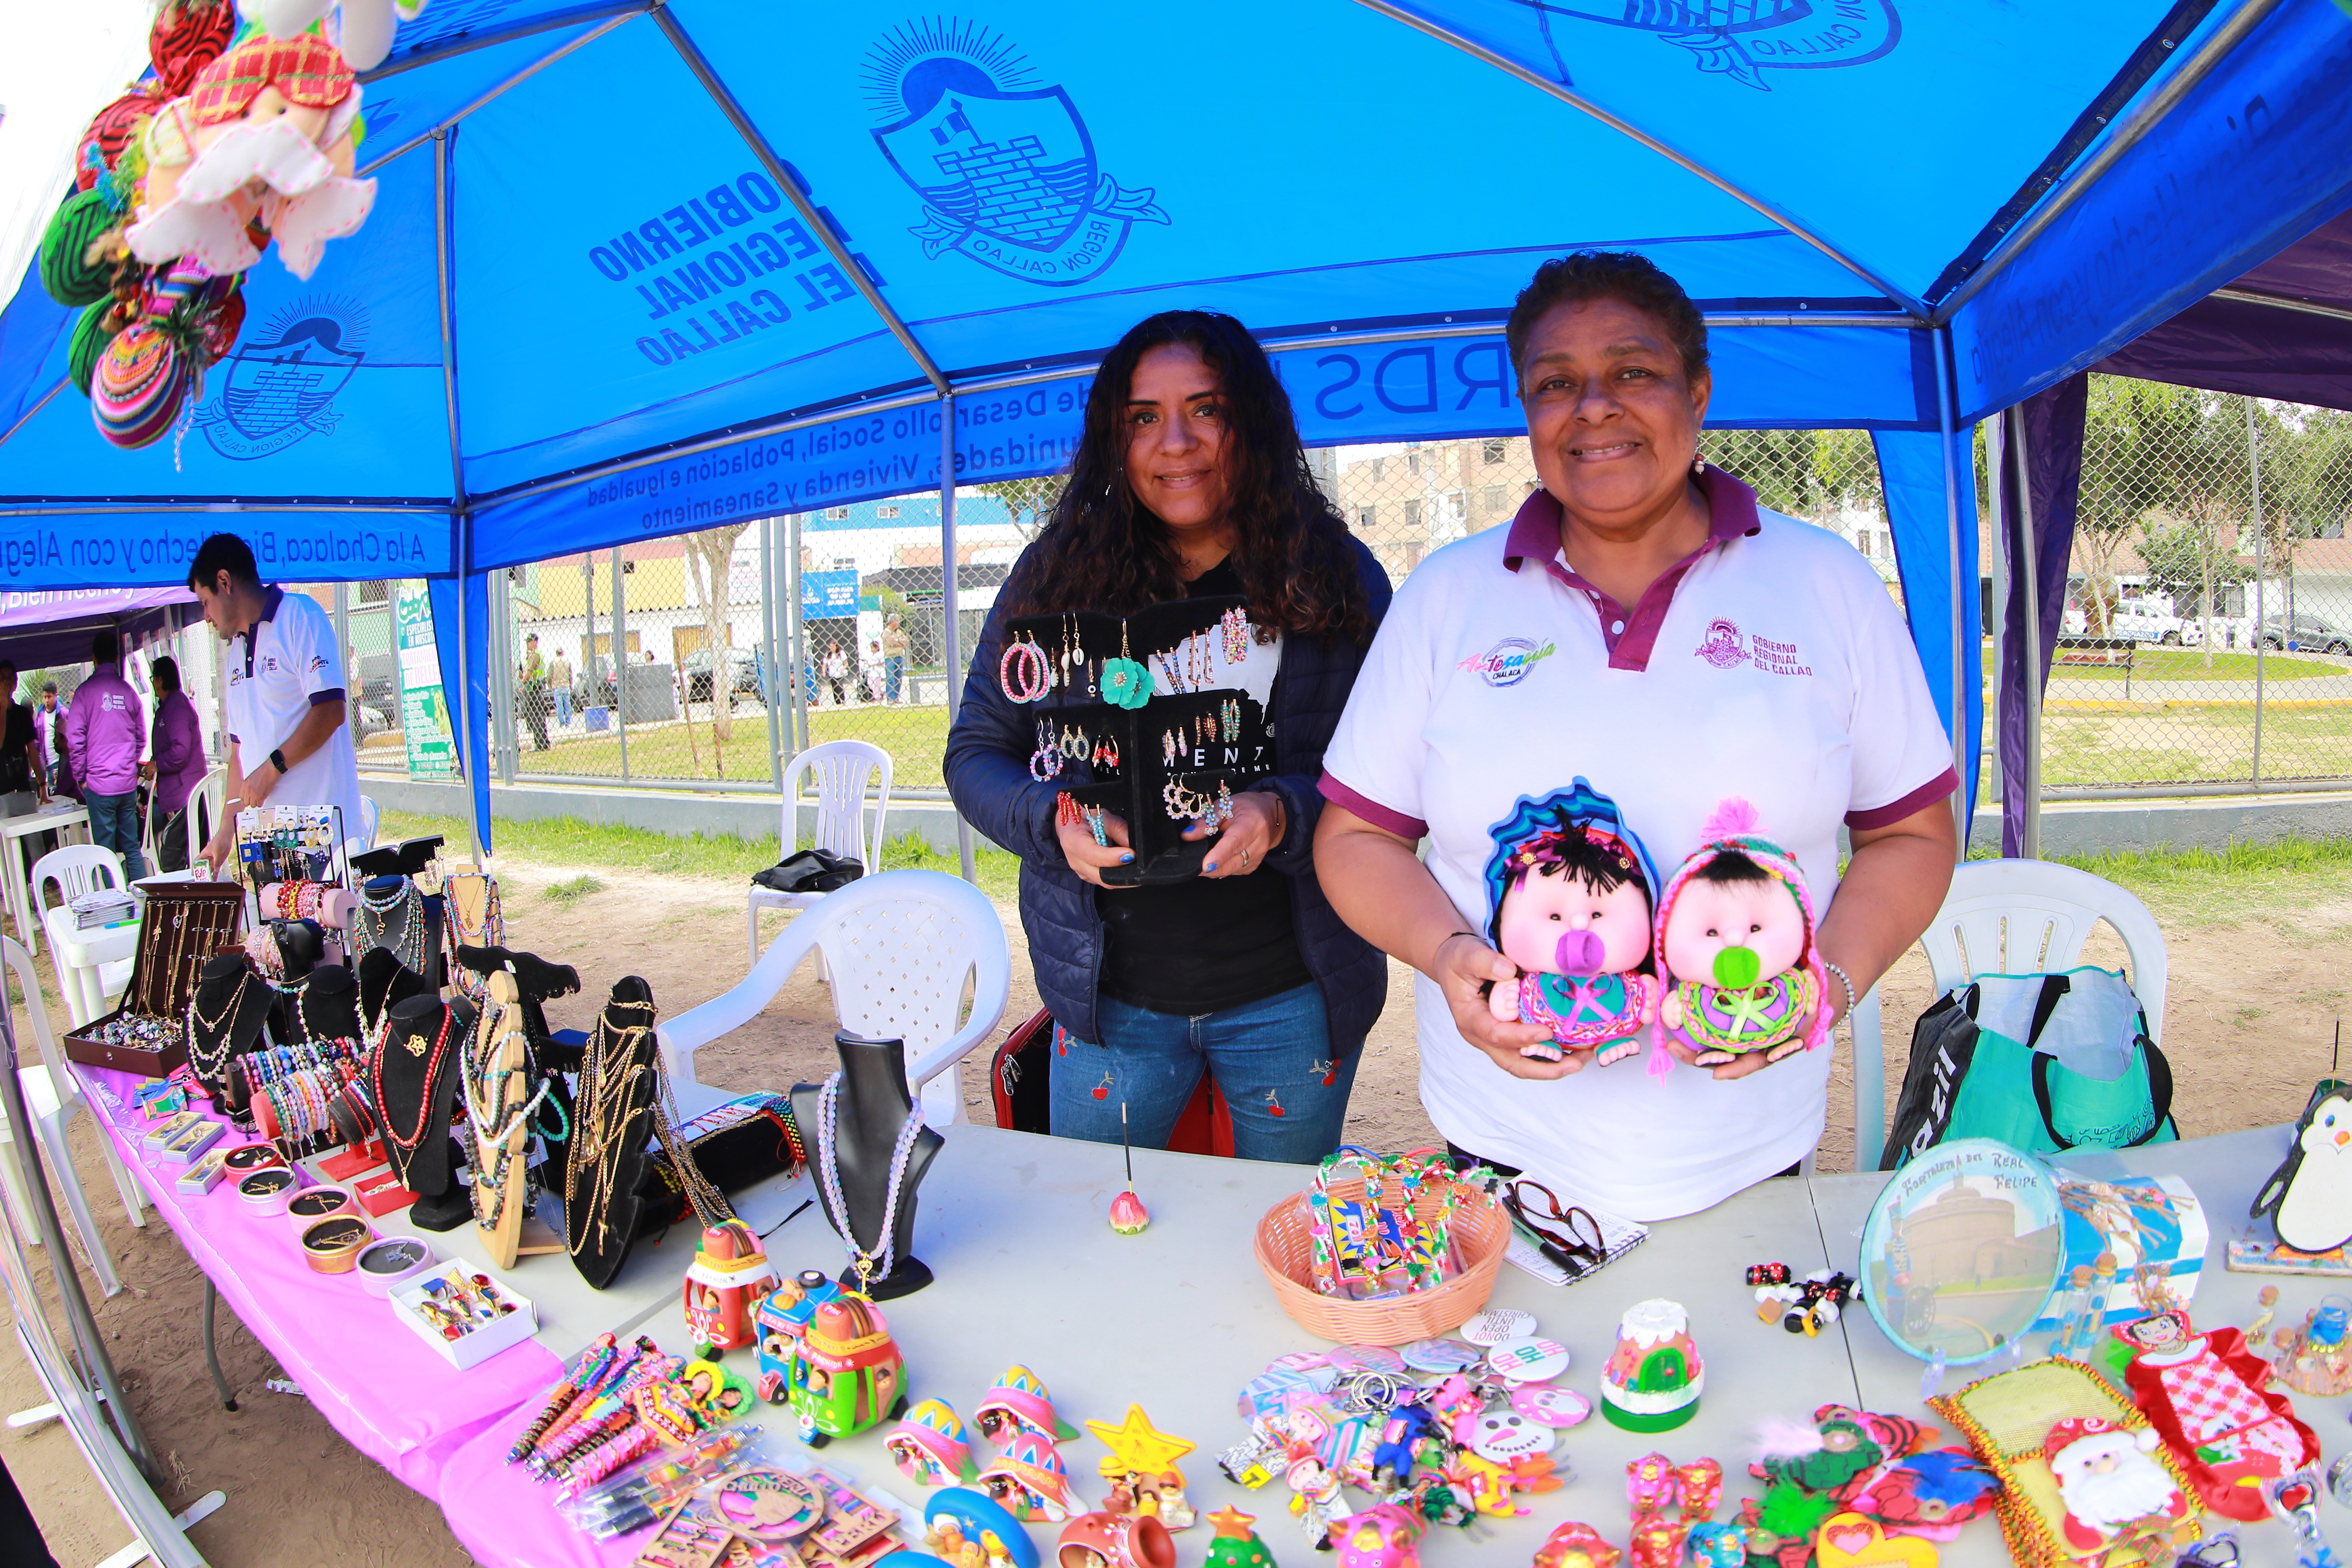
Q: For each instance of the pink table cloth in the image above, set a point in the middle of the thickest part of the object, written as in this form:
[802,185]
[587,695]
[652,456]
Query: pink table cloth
[506,1520]
[384,1389]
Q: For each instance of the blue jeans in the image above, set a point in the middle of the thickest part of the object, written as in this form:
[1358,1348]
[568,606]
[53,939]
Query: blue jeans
[562,706]
[894,675]
[114,825]
[1271,1059]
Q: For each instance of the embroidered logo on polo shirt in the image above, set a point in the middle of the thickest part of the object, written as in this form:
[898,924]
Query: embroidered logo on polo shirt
[1722,647]
[1507,663]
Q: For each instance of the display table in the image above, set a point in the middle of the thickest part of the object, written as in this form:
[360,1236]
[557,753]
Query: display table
[80,953]
[70,823]
[1177,1320]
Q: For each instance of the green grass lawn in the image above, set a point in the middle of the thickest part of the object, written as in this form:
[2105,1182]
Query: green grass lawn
[2193,745]
[916,737]
[2150,663]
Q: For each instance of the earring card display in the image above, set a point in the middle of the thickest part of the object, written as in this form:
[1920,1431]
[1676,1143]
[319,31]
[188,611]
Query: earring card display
[1194,736]
[292,843]
[183,923]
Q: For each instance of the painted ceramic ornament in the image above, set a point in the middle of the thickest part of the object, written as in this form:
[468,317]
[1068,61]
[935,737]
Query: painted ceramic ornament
[1115,1540]
[1030,1480]
[1711,1545]
[971,1530]
[845,1373]
[1576,1544]
[1019,1403]
[1656,1542]
[730,1277]
[1141,1468]
[1653,1376]
[1128,1214]
[1502,1436]
[1382,1536]
[931,1446]
[1850,1541]
[1236,1544]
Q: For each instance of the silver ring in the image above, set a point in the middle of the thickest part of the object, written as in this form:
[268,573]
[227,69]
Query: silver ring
[1246,857]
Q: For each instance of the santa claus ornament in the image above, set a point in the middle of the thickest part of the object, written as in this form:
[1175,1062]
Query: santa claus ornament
[2099,1488]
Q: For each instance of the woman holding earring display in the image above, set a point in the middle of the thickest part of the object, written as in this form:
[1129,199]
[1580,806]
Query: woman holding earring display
[1189,482]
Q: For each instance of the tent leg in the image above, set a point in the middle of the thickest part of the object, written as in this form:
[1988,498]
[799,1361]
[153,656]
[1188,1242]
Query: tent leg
[1964,765]
[953,651]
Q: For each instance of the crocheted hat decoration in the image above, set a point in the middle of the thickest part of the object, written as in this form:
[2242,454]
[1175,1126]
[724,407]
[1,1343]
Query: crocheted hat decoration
[1526,839]
[75,268]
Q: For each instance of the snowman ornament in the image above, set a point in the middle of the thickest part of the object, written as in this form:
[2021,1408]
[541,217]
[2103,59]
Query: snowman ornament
[2314,1211]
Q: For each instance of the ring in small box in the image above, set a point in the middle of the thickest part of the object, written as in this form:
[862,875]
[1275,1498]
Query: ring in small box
[190,1141]
[202,1176]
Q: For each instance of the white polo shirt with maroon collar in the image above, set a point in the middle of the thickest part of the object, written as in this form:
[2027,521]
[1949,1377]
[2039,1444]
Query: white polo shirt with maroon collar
[1770,664]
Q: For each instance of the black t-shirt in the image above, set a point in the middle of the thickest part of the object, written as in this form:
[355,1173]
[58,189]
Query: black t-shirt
[1207,944]
[16,763]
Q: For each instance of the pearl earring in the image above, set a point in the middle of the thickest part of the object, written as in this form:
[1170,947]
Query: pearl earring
[1699,464]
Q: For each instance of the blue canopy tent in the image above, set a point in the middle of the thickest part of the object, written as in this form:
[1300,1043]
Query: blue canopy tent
[641,268]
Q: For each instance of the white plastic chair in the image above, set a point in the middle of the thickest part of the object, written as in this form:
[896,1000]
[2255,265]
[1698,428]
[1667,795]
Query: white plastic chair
[213,790]
[2010,917]
[75,870]
[840,769]
[52,1095]
[900,946]
[370,815]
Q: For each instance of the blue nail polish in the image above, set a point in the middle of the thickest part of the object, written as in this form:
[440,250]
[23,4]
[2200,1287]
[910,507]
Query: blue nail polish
[1124,859]
[1210,866]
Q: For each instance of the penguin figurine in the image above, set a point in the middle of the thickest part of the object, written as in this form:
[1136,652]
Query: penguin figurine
[2309,1196]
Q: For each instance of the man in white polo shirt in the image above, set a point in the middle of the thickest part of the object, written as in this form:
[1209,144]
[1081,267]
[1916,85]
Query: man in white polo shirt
[1644,626]
[288,742]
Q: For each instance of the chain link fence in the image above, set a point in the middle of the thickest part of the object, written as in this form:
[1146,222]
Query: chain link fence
[2207,639]
[710,660]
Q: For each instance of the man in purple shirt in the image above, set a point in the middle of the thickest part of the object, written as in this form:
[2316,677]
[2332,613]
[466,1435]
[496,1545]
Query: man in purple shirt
[105,733]
[177,764]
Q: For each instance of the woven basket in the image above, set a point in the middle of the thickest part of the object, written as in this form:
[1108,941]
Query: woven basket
[1285,1250]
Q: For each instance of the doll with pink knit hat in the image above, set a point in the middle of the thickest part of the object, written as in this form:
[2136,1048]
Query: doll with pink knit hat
[1736,949]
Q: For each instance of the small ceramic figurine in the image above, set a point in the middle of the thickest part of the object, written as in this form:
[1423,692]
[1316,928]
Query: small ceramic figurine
[1141,1465]
[1572,890]
[2317,1358]
[1030,1480]
[730,1277]
[1115,1540]
[1653,1377]
[1315,1498]
[1019,1403]
[970,1530]
[783,1316]
[1735,944]
[1236,1545]
[930,1448]
[1383,1536]
[1711,1546]
[1575,1546]
[845,1373]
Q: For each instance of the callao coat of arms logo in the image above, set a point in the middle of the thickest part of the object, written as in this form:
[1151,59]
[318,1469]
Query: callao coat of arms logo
[280,384]
[1003,164]
[1741,39]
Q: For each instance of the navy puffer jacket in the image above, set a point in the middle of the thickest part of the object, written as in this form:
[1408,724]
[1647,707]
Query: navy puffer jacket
[988,775]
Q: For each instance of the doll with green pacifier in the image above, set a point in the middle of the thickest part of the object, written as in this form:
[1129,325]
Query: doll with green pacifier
[1736,950]
[1572,890]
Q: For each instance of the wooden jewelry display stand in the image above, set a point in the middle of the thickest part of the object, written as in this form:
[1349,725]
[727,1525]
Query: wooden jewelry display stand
[496,1088]
[1217,735]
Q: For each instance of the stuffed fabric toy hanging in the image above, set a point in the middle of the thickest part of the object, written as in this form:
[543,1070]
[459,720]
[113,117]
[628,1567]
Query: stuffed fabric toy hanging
[365,30]
[267,134]
[1735,942]
[1572,890]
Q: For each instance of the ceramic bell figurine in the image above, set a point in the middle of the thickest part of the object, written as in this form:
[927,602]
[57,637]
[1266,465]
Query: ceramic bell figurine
[728,1278]
[1030,1480]
[1653,1376]
[845,1373]
[932,1448]
[1115,1540]
[1019,1403]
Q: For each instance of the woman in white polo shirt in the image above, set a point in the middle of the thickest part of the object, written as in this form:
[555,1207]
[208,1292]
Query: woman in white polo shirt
[1643,625]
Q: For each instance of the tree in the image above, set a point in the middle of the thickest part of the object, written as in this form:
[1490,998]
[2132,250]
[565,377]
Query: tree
[709,560]
[1031,501]
[2149,448]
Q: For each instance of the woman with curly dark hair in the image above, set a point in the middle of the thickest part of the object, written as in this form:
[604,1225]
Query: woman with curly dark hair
[1189,482]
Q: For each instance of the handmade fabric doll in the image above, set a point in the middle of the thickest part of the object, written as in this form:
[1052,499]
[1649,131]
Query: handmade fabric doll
[267,131]
[2211,1402]
[1572,890]
[1734,942]
[364,27]
[2108,1481]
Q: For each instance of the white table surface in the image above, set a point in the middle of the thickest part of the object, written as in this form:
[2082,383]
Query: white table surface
[101,944]
[58,817]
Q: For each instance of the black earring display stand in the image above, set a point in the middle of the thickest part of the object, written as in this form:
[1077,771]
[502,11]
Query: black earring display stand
[419,1108]
[536,982]
[234,1035]
[603,1206]
[873,1106]
[1136,789]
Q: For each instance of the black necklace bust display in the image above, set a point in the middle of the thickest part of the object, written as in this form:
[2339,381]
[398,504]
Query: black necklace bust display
[611,1128]
[384,982]
[871,1112]
[229,1007]
[415,1080]
[329,1007]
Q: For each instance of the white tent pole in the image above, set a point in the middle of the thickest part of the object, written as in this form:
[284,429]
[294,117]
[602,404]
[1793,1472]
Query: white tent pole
[953,652]
[1963,764]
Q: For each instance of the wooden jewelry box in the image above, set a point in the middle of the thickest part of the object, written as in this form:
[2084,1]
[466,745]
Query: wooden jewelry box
[183,924]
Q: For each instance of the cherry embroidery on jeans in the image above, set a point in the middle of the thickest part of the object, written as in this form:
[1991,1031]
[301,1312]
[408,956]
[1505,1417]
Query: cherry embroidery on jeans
[1102,1090]
[1273,1103]
[1329,1071]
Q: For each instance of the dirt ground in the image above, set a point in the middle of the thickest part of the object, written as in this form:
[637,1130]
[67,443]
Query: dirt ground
[2254,995]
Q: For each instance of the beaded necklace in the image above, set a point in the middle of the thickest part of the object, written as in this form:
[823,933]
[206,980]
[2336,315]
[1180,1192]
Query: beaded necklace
[490,933]
[210,1063]
[407,1144]
[875,1264]
[492,1152]
[372,921]
[602,1112]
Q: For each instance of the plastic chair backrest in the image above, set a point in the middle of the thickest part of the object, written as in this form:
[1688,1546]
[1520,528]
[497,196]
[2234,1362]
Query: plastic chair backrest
[2031,917]
[75,870]
[213,790]
[903,952]
[20,964]
[839,770]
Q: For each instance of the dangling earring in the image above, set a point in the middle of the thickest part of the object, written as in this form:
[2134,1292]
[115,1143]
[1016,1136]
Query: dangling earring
[1699,464]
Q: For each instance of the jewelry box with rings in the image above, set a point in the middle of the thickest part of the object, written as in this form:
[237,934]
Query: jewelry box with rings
[1157,718]
[389,1262]
[182,925]
[466,1315]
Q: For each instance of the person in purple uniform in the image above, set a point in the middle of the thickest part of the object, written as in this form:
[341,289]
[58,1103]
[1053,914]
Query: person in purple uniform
[177,765]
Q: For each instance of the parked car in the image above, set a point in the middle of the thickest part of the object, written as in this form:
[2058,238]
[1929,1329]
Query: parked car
[2307,631]
[2145,620]
[696,669]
